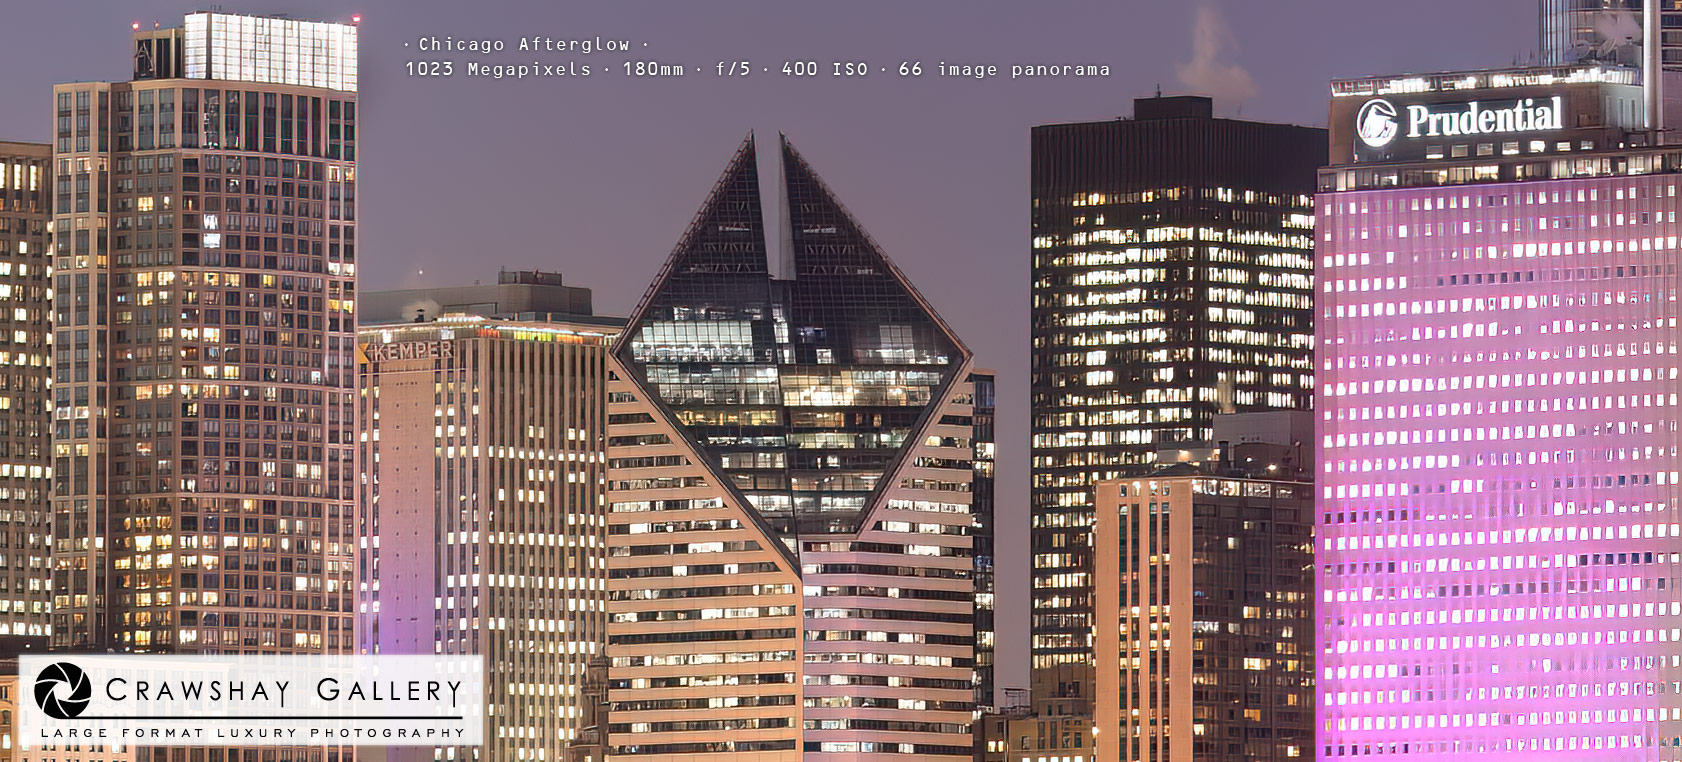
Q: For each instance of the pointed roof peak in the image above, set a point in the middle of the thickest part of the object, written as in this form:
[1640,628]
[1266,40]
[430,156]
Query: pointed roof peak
[819,234]
[822,228]
[727,231]
[721,330]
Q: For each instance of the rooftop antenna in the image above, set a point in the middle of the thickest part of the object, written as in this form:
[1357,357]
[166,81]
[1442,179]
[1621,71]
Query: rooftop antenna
[1159,89]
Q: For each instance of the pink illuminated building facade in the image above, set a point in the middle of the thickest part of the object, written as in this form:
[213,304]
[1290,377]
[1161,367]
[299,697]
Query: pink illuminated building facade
[1498,531]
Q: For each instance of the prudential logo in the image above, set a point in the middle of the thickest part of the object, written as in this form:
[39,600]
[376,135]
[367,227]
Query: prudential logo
[62,690]
[1376,124]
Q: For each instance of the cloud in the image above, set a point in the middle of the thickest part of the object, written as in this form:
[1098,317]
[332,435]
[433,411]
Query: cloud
[1206,73]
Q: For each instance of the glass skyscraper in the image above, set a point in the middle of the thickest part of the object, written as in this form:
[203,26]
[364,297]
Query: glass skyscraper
[1598,31]
[1171,281]
[1498,500]
[789,482]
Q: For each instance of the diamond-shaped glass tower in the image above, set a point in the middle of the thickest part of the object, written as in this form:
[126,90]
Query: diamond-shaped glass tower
[803,386]
[790,527]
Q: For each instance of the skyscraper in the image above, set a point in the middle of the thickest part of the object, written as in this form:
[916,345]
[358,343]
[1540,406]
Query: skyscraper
[1204,603]
[790,444]
[1498,505]
[204,251]
[25,409]
[1641,35]
[1598,31]
[484,452]
[1171,281]
[984,508]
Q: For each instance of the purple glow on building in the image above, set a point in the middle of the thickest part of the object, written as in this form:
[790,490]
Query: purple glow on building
[1498,525]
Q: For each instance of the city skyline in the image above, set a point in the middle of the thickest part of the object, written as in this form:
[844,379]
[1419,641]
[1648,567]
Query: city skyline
[785,408]
[963,150]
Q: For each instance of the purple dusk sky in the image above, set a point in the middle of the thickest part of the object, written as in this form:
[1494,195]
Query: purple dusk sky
[597,177]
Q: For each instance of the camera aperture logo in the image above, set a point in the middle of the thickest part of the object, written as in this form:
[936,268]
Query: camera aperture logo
[63,690]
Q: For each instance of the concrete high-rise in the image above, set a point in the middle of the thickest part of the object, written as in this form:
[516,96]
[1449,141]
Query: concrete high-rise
[790,463]
[1204,647]
[1172,274]
[204,414]
[1498,488]
[25,395]
[484,518]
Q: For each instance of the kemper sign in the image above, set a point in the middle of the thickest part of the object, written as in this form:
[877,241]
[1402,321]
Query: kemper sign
[1379,121]
[411,350]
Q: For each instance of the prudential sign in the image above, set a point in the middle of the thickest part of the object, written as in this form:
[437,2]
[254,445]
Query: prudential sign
[1380,122]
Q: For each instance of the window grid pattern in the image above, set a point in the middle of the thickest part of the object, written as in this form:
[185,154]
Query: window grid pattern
[1498,515]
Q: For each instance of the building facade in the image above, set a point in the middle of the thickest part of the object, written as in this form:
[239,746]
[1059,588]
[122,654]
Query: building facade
[984,539]
[1172,274]
[590,745]
[1498,487]
[790,461]
[994,741]
[1602,31]
[1615,32]
[483,516]
[25,395]
[204,382]
[1028,737]
[1205,603]
[9,740]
